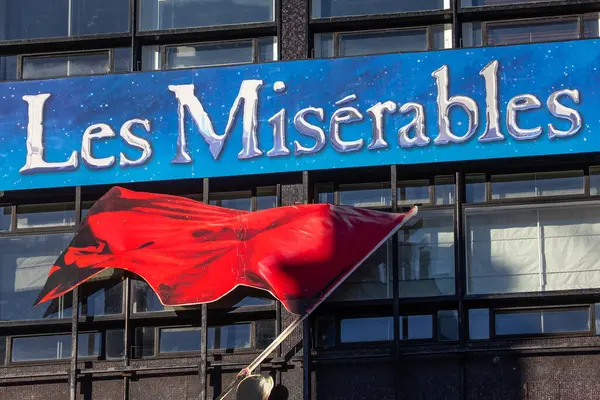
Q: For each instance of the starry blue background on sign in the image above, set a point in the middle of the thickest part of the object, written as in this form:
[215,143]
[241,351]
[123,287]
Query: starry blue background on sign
[78,102]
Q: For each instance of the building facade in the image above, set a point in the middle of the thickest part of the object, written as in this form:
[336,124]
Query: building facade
[492,294]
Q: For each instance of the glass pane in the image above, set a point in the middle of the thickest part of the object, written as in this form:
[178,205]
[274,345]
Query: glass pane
[265,333]
[266,198]
[442,36]
[355,44]
[89,344]
[469,3]
[539,184]
[171,14]
[143,297]
[444,190]
[533,248]
[115,343]
[5,215]
[253,301]
[229,337]
[24,265]
[366,195]
[413,192]
[45,215]
[542,321]
[426,256]
[325,193]
[372,280]
[479,323]
[419,327]
[122,60]
[143,342]
[531,31]
[235,200]
[2,350]
[591,24]
[151,60]
[325,332]
[595,181]
[8,68]
[267,49]
[209,54]
[102,297]
[343,8]
[375,329]
[36,348]
[323,45]
[27,19]
[447,325]
[176,340]
[68,65]
[475,191]
[472,36]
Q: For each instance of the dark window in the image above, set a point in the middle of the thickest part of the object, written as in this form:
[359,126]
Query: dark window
[469,3]
[235,200]
[41,67]
[447,325]
[54,347]
[176,340]
[115,343]
[344,8]
[479,323]
[417,327]
[542,321]
[229,337]
[102,295]
[2,350]
[531,31]
[375,329]
[24,265]
[28,19]
[5,216]
[143,297]
[8,68]
[143,342]
[171,14]
[325,332]
[265,333]
[45,215]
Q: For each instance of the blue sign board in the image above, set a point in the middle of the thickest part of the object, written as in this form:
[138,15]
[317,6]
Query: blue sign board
[452,105]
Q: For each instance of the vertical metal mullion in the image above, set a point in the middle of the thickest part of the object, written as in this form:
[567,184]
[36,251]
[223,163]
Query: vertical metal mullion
[488,187]
[429,38]
[395,285]
[77,207]
[135,45]
[580,27]
[307,198]
[431,191]
[203,368]
[460,272]
[74,334]
[127,334]
[13,218]
[253,199]
[456,28]
[255,50]
[336,193]
[586,181]
[278,311]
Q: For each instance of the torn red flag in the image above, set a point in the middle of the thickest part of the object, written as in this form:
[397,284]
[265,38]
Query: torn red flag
[192,253]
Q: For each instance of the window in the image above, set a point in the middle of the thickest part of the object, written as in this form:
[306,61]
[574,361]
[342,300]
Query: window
[479,323]
[537,184]
[229,337]
[265,333]
[54,347]
[447,325]
[413,192]
[426,255]
[5,216]
[371,195]
[102,294]
[143,342]
[46,215]
[475,188]
[444,190]
[532,248]
[172,14]
[28,19]
[143,297]
[382,41]
[177,340]
[2,350]
[417,327]
[325,332]
[375,329]
[536,322]
[24,265]
[345,8]
[115,343]
[8,68]
[209,54]
[469,3]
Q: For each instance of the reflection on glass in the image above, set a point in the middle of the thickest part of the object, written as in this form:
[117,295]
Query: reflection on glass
[45,215]
[532,31]
[24,265]
[177,340]
[325,193]
[266,197]
[229,337]
[426,255]
[267,49]
[68,65]
[441,36]
[479,323]
[356,44]
[8,68]
[102,297]
[471,33]
[323,45]
[533,248]
[143,297]
[447,325]
[371,195]
[444,190]
[537,184]
[413,192]
[418,327]
[234,200]
[122,60]
[542,321]
[591,25]
[249,301]
[27,19]
[376,329]
[475,192]
[201,55]
[325,332]
[344,8]
[372,280]
[5,215]
[172,14]
[115,343]
[265,333]
[143,342]
[54,347]
[476,3]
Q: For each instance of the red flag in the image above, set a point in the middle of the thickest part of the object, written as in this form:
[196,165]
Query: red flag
[192,253]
